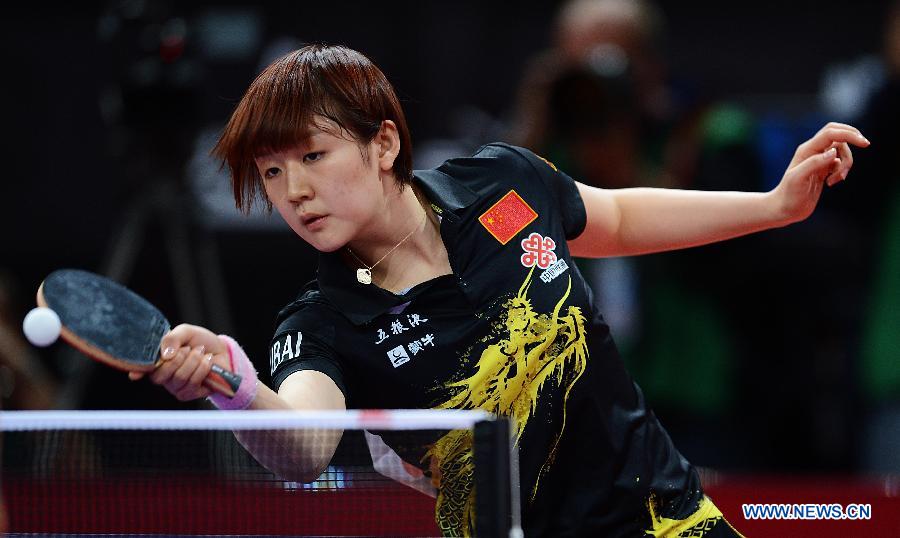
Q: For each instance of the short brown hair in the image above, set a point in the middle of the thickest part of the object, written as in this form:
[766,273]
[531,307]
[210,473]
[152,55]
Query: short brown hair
[333,82]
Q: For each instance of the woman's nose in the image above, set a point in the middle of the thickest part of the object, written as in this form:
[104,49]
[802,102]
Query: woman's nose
[298,188]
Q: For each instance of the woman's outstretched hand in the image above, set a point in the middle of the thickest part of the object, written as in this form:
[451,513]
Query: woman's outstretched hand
[824,158]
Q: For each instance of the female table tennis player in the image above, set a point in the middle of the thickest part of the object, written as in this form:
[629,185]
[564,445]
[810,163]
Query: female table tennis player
[455,288]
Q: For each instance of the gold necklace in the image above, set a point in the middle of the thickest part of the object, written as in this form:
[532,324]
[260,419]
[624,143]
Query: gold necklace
[364,276]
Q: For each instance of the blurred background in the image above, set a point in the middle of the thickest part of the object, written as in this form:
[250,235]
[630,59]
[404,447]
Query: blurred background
[775,352]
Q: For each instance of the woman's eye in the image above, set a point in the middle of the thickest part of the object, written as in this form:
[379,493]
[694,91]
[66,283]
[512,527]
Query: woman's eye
[271,172]
[312,157]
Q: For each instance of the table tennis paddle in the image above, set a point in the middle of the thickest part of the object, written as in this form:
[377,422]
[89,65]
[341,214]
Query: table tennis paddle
[111,324]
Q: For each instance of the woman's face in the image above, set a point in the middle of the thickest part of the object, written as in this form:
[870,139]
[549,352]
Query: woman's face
[326,188]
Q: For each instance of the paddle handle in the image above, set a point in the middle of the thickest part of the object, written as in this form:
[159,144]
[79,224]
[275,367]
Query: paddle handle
[224,382]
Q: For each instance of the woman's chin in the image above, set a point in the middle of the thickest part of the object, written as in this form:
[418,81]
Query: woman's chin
[326,246]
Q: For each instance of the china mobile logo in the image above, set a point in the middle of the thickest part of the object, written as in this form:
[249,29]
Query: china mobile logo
[538,251]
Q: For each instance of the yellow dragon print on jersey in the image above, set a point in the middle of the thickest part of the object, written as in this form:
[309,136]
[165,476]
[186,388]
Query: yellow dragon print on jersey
[526,350]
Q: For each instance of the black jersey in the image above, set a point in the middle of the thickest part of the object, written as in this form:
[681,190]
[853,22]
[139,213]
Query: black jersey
[512,331]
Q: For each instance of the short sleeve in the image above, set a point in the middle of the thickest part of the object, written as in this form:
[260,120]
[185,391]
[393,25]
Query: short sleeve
[562,188]
[304,341]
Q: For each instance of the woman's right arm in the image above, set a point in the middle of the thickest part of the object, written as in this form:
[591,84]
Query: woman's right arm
[188,353]
[298,455]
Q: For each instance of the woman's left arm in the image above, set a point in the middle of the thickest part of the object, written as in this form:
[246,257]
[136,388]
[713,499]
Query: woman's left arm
[625,222]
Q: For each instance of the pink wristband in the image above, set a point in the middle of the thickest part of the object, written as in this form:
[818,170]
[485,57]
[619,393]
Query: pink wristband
[241,365]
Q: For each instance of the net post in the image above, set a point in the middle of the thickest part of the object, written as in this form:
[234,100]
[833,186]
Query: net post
[496,478]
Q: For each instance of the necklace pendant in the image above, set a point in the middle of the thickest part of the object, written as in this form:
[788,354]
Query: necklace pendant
[364,276]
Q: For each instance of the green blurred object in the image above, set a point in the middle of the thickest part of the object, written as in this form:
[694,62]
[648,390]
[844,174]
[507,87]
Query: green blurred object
[727,125]
[686,361]
[881,334]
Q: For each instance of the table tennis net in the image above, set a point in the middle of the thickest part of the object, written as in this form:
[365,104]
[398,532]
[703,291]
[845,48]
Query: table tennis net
[394,473]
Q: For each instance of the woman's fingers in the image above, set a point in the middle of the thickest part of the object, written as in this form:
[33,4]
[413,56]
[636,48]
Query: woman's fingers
[818,165]
[842,130]
[188,380]
[167,367]
[831,135]
[182,375]
[842,166]
[846,157]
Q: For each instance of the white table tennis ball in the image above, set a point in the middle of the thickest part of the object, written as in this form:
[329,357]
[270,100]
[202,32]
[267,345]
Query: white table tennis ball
[41,326]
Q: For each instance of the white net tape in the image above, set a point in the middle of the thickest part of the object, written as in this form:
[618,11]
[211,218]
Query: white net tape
[413,419]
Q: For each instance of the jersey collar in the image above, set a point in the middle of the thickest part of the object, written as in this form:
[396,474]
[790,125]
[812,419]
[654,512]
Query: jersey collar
[361,303]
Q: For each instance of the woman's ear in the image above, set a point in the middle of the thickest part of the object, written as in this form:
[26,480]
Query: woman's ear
[387,145]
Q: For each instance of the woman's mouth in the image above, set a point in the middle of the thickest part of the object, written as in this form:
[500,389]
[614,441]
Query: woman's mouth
[314,222]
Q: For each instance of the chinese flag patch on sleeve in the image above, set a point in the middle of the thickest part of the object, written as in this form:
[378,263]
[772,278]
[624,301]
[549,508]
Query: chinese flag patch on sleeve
[507,217]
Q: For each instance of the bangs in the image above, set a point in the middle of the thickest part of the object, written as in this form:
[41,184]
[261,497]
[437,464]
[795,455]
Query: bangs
[278,110]
[275,125]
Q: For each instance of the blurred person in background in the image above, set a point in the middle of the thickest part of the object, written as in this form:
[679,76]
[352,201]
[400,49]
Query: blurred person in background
[877,213]
[865,221]
[601,104]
